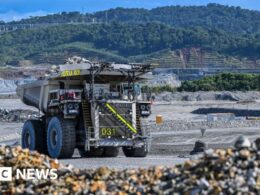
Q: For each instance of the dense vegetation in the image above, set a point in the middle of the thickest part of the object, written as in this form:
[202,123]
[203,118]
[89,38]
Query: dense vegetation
[212,16]
[223,82]
[124,40]
[227,35]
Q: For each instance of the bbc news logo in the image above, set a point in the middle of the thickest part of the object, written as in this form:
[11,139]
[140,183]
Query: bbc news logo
[6,174]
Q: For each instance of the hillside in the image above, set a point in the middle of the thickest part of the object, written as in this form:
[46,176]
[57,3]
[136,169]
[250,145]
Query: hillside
[174,36]
[212,16]
[151,42]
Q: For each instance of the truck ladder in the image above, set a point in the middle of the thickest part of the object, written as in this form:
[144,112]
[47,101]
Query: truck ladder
[138,119]
[86,114]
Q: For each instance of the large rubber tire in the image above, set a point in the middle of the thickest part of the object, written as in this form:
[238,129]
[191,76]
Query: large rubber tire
[80,134]
[110,152]
[135,152]
[61,138]
[94,152]
[34,136]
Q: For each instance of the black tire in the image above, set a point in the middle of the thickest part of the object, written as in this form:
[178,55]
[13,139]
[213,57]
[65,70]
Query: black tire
[34,136]
[94,152]
[110,152]
[135,152]
[61,138]
[80,134]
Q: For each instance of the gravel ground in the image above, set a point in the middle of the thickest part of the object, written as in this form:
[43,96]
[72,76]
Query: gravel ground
[121,162]
[208,95]
[182,142]
[168,147]
[182,110]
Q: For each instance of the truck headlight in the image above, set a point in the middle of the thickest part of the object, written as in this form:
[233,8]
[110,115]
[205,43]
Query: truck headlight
[70,106]
[76,106]
[142,107]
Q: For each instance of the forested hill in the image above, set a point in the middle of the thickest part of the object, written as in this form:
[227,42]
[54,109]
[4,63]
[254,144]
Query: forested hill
[174,36]
[127,42]
[212,16]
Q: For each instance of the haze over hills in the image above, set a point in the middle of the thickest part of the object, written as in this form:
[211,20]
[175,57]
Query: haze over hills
[174,36]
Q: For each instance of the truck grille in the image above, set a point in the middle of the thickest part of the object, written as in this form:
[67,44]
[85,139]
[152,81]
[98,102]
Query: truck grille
[115,120]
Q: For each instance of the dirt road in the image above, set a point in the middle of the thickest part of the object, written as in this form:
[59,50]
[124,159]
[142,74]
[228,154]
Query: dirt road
[168,147]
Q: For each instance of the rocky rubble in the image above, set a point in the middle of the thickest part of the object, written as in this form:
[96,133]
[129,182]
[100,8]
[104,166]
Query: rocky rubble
[180,125]
[208,95]
[17,115]
[162,80]
[232,171]
[76,60]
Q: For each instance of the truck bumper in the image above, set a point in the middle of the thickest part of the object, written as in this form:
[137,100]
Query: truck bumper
[113,142]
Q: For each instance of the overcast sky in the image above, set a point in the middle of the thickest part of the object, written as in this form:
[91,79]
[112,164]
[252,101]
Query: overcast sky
[17,9]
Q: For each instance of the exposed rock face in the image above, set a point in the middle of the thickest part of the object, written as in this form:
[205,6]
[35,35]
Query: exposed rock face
[8,87]
[198,58]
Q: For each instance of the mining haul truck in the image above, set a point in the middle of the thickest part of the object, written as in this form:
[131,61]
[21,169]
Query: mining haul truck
[94,107]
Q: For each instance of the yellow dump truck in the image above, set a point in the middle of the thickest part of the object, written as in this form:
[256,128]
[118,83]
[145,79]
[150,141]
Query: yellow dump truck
[94,107]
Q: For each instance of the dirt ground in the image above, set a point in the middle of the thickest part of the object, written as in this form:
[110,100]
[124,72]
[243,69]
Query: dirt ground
[168,147]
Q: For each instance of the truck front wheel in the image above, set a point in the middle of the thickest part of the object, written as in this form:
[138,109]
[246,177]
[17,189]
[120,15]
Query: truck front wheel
[61,138]
[110,152]
[135,152]
[34,136]
[94,152]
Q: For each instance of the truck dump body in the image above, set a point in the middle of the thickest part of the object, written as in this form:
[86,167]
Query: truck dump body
[30,93]
[34,94]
